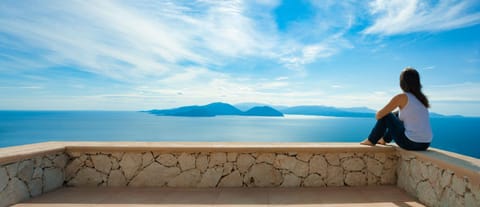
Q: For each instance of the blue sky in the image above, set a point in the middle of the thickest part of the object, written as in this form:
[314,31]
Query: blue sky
[136,55]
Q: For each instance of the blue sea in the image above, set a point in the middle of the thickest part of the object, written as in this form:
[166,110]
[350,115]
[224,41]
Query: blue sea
[460,135]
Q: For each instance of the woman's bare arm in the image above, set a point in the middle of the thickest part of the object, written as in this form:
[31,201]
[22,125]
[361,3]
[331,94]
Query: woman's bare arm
[399,100]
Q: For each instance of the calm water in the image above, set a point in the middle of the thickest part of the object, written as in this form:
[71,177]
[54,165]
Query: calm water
[24,127]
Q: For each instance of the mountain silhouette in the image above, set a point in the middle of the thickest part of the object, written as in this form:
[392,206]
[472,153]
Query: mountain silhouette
[258,109]
[263,111]
[216,109]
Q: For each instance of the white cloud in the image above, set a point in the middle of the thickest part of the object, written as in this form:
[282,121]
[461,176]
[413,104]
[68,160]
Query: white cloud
[131,41]
[407,16]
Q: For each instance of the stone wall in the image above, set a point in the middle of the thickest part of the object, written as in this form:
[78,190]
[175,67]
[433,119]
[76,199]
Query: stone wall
[434,185]
[31,177]
[435,177]
[230,169]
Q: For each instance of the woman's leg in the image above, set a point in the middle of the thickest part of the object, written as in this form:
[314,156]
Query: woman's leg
[387,137]
[387,127]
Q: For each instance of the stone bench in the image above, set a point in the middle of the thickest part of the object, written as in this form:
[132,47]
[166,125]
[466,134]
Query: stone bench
[433,176]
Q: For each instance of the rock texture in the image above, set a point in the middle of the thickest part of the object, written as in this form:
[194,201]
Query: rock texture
[220,169]
[432,185]
[435,186]
[27,178]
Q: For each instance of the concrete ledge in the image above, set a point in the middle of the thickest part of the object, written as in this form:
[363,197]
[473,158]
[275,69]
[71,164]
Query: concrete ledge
[18,153]
[246,147]
[463,166]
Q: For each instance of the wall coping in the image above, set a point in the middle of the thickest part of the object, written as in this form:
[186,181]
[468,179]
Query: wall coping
[460,164]
[18,153]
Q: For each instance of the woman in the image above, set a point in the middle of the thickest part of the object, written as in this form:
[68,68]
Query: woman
[411,129]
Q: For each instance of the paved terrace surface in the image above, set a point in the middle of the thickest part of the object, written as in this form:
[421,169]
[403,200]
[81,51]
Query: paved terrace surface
[252,197]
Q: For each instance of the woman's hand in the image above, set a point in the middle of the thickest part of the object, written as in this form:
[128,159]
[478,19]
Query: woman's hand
[399,100]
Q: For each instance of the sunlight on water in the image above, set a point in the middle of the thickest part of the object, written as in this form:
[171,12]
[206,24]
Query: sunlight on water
[18,128]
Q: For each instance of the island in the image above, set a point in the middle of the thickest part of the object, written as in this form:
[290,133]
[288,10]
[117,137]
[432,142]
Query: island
[258,109]
[217,109]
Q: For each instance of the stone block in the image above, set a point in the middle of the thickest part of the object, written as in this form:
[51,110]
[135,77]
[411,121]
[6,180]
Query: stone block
[333,158]
[353,164]
[291,180]
[147,159]
[12,170]
[301,169]
[35,187]
[117,155]
[167,160]
[37,173]
[25,170]
[446,178]
[87,177]
[47,162]
[284,162]
[60,160]
[263,175]
[314,180]
[244,162]
[155,175]
[211,177]
[15,192]
[72,168]
[319,165]
[102,163]
[217,158]
[355,179]
[116,179]
[202,162]
[426,193]
[335,176]
[449,198]
[388,177]
[52,179]
[298,167]
[266,158]
[374,166]
[130,164]
[372,179]
[186,161]
[227,168]
[234,179]
[304,156]
[458,185]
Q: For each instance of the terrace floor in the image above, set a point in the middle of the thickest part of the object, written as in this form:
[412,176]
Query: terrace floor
[251,197]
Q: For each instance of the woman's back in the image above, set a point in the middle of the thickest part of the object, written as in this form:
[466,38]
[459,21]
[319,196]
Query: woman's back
[416,120]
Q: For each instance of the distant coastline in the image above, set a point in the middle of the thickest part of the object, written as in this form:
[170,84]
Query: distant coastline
[217,109]
[258,109]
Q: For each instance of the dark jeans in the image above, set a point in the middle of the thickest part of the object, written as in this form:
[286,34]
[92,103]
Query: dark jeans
[391,128]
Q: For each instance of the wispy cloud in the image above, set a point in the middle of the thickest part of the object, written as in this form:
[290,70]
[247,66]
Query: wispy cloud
[407,16]
[131,40]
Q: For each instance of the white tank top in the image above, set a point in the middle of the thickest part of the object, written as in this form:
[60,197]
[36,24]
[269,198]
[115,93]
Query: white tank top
[416,119]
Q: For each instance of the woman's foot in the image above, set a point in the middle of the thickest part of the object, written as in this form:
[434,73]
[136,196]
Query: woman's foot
[367,142]
[381,141]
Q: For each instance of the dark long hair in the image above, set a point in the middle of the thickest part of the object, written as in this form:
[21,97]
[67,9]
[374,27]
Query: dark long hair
[410,82]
